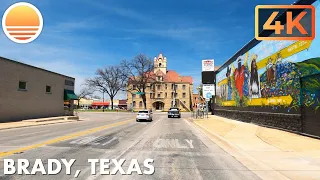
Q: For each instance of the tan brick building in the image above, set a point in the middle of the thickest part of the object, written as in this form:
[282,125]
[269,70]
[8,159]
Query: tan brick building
[30,92]
[170,90]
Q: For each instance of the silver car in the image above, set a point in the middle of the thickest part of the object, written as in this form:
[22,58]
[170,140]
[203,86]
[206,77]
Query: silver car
[144,115]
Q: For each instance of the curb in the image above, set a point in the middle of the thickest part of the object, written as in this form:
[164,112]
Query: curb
[32,125]
[261,169]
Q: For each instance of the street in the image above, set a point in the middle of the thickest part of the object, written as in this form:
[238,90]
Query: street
[178,148]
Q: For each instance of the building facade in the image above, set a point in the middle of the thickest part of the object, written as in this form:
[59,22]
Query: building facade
[30,92]
[274,83]
[170,90]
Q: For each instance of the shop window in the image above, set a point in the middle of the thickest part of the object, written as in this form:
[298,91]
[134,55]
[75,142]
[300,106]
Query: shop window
[134,104]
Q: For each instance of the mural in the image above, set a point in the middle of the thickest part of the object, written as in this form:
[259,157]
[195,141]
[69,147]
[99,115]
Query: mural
[269,74]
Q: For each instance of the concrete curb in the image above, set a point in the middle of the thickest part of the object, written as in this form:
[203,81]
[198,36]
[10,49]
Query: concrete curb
[32,125]
[259,168]
[52,119]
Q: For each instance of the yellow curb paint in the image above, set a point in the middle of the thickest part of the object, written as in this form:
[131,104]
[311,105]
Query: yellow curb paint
[63,138]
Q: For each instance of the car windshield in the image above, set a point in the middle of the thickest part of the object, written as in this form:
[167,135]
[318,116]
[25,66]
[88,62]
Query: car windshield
[143,112]
[174,112]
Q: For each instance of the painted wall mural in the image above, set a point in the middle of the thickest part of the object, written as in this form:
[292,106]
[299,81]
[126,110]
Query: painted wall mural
[268,75]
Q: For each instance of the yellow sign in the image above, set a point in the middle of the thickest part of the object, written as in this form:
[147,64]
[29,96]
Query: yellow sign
[280,100]
[229,103]
[224,81]
[286,52]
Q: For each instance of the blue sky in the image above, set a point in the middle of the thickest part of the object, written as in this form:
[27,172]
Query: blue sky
[80,36]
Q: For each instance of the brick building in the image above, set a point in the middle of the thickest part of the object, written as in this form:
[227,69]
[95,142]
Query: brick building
[28,92]
[170,90]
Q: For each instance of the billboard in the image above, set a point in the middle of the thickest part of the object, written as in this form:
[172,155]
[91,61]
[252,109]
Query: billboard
[208,65]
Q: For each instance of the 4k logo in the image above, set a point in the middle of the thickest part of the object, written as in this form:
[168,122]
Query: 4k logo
[285,22]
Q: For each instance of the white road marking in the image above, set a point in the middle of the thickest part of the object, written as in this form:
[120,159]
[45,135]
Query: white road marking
[173,143]
[190,143]
[84,140]
[125,151]
[108,142]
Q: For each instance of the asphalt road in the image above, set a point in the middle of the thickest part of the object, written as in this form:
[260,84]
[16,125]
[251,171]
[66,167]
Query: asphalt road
[179,149]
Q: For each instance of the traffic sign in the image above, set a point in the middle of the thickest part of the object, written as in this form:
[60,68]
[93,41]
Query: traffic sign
[208,90]
[139,93]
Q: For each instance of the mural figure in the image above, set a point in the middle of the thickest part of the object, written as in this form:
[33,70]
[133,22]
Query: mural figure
[239,78]
[278,65]
[228,74]
[270,71]
[254,78]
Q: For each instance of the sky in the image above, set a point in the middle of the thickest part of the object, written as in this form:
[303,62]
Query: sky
[80,36]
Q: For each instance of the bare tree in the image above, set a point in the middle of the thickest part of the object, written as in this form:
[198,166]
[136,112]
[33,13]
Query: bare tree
[139,73]
[109,80]
[84,93]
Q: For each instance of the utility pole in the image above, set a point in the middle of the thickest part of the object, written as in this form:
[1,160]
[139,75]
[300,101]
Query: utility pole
[174,95]
[132,101]
[102,100]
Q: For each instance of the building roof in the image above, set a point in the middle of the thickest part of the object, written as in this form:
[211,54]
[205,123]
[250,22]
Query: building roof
[173,76]
[17,62]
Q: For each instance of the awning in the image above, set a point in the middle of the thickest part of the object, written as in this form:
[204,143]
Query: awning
[100,104]
[69,95]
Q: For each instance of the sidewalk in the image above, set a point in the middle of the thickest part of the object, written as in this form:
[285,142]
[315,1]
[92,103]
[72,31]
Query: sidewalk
[38,122]
[290,155]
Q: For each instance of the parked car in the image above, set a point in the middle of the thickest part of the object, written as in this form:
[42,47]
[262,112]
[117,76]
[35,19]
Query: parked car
[144,115]
[174,112]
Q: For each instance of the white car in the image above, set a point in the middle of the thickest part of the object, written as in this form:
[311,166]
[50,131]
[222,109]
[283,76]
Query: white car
[144,115]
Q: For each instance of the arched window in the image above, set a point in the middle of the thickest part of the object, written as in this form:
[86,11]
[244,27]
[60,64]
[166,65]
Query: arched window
[159,64]
[140,104]
[134,104]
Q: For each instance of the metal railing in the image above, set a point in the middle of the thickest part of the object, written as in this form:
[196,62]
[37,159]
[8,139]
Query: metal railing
[200,113]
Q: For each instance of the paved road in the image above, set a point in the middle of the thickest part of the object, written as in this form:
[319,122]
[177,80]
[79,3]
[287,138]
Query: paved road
[179,150]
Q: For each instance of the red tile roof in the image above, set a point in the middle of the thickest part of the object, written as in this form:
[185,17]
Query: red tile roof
[173,76]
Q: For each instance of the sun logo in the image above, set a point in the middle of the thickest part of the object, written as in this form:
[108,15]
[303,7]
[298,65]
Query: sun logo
[22,22]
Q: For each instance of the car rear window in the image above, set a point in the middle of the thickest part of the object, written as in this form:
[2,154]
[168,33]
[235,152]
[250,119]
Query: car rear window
[143,112]
[174,112]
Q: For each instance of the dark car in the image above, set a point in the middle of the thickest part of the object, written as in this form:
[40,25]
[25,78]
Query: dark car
[174,112]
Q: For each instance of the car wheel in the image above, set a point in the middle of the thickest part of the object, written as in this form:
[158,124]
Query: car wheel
[137,120]
[168,116]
